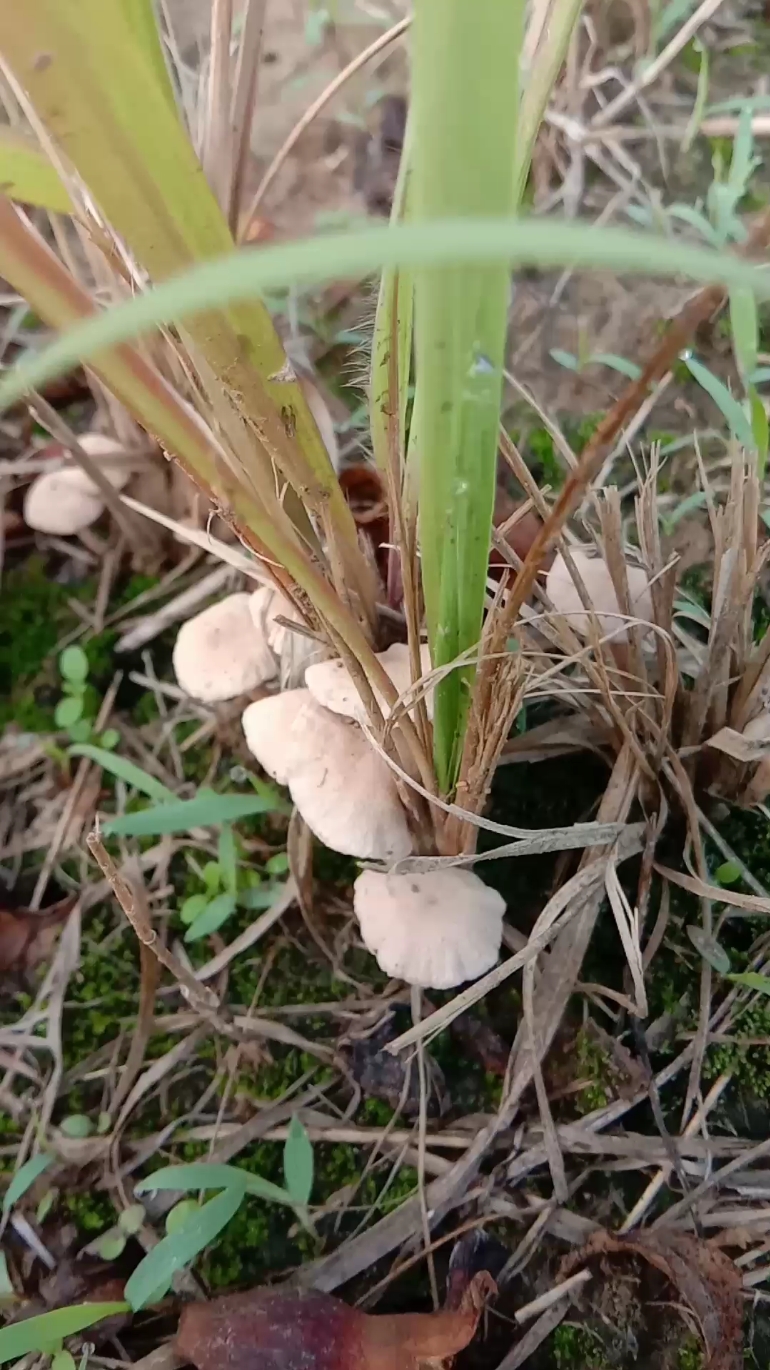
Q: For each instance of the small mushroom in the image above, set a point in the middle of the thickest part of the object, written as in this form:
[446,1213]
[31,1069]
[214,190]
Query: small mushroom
[342,787]
[218,654]
[331,683]
[435,929]
[595,574]
[66,501]
[268,726]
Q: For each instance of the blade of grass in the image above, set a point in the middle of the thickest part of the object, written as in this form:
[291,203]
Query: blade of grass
[50,1328]
[179,1249]
[205,809]
[125,770]
[550,49]
[27,176]
[463,165]
[211,1175]
[242,274]
[142,20]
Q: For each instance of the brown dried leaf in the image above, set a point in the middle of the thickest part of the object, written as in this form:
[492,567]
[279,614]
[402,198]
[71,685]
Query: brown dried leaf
[702,1274]
[283,1329]
[27,937]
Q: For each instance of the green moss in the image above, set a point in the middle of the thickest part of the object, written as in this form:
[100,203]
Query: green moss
[91,1211]
[577,1346]
[690,1354]
[594,1064]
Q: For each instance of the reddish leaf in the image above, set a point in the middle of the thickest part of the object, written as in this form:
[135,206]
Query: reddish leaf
[703,1275]
[282,1329]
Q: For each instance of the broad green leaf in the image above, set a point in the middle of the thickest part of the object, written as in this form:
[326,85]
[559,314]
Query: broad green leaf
[728,873]
[132,775]
[110,1245]
[68,711]
[50,1328]
[63,1360]
[77,1125]
[278,863]
[193,907]
[244,274]
[179,1249]
[27,176]
[205,809]
[141,15]
[208,1175]
[744,324]
[73,665]
[463,164]
[25,1177]
[258,898]
[731,408]
[298,1164]
[181,1214]
[212,917]
[109,739]
[131,1219]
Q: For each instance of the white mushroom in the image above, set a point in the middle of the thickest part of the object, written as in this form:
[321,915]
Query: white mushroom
[436,929]
[218,654]
[66,501]
[331,683]
[595,574]
[343,789]
[268,724]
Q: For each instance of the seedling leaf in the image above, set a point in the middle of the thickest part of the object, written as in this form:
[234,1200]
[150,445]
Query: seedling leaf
[50,1328]
[179,1249]
[208,1175]
[212,917]
[133,775]
[205,810]
[298,1164]
[25,1178]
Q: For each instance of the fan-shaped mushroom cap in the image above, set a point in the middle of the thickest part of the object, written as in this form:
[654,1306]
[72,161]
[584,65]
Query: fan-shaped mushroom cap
[218,654]
[343,789]
[67,501]
[268,724]
[436,929]
[331,683]
[595,574]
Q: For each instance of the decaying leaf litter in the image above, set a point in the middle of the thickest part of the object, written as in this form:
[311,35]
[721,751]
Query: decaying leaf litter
[623,1105]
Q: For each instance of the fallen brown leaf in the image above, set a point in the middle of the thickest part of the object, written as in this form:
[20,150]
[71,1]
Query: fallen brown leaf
[27,937]
[703,1275]
[282,1329]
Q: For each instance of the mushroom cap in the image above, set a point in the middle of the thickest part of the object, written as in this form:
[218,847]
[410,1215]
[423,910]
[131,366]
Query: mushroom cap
[343,789]
[219,655]
[435,929]
[596,577]
[66,501]
[331,683]
[268,725]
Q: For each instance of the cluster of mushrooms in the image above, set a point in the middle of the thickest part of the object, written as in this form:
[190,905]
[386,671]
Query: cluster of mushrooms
[437,928]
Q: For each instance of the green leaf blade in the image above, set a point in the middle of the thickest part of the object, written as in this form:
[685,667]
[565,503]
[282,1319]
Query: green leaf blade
[49,1328]
[298,1164]
[177,1250]
[25,1178]
[204,811]
[132,775]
